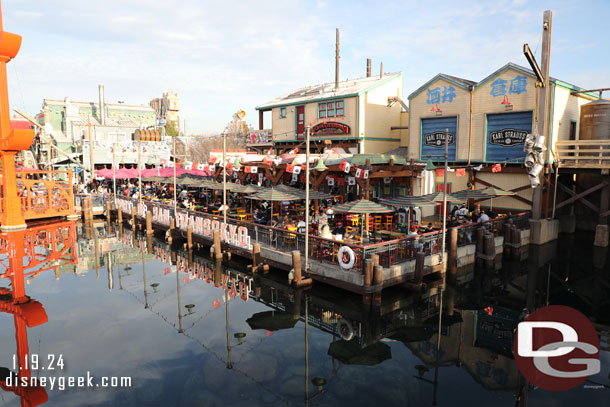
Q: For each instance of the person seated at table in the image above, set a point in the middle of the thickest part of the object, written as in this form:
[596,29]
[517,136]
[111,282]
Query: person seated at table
[339,228]
[483,217]
[301,225]
[462,213]
[413,231]
[258,217]
[288,223]
[325,232]
[428,228]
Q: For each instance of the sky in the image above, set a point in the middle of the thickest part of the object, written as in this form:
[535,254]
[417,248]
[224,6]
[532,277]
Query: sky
[222,56]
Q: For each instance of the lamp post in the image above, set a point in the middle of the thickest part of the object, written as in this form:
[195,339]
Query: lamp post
[444,263]
[175,198]
[307,134]
[224,178]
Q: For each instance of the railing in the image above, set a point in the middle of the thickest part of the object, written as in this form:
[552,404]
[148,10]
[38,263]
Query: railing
[400,250]
[97,200]
[326,251]
[583,153]
[44,194]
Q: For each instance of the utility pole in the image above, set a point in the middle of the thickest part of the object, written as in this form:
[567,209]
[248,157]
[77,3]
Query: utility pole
[91,161]
[544,105]
[307,153]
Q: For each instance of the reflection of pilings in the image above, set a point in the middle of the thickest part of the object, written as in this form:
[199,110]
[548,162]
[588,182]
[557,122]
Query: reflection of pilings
[179,302]
[296,314]
[144,278]
[109,266]
[120,277]
[217,271]
[96,244]
[307,348]
[530,301]
[149,244]
[229,365]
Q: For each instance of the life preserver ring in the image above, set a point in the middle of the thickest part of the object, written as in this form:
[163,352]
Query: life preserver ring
[345,330]
[346,257]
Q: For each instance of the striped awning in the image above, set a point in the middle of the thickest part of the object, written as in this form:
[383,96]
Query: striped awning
[362,206]
[272,194]
[408,201]
[147,135]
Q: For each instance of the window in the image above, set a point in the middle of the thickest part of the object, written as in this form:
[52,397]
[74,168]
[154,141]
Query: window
[282,112]
[331,109]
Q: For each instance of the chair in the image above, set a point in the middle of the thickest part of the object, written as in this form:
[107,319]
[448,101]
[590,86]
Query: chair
[355,220]
[290,239]
[215,212]
[377,223]
[241,211]
[249,217]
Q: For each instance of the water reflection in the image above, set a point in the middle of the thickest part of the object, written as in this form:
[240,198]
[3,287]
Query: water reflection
[24,255]
[187,329]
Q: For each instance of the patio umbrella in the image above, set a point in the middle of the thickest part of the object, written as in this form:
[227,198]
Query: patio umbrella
[104,172]
[408,201]
[301,192]
[438,197]
[362,206]
[350,352]
[272,320]
[273,194]
[496,192]
[471,194]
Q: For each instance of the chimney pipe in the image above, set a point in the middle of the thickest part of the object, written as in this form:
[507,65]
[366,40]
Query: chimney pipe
[368,67]
[337,61]
[381,71]
[102,113]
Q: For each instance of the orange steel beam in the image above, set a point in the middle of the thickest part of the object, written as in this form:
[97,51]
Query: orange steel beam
[11,141]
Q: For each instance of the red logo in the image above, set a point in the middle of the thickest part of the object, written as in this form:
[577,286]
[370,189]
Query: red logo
[556,348]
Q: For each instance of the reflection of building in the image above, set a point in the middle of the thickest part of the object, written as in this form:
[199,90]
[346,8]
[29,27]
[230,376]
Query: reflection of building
[167,108]
[360,115]
[487,122]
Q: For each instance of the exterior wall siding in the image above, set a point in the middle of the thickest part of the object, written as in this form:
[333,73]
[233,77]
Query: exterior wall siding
[484,102]
[458,106]
[379,117]
[566,108]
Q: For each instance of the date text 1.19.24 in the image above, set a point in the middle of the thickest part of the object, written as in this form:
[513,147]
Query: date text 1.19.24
[36,362]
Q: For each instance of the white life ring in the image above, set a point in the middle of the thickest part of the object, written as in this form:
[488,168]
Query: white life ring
[345,330]
[346,257]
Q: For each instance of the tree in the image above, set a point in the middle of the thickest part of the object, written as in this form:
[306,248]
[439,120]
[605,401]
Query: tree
[236,131]
[171,130]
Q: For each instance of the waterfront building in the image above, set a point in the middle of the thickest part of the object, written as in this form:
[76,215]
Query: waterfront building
[357,116]
[67,124]
[487,122]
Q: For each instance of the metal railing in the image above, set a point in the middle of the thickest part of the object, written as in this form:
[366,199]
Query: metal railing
[44,194]
[323,250]
[97,200]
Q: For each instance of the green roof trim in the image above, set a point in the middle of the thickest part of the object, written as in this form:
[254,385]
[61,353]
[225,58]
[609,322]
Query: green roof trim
[566,85]
[360,159]
[437,77]
[389,78]
[500,71]
[304,102]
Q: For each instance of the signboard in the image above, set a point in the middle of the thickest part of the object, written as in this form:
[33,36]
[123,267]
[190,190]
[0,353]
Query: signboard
[330,129]
[433,137]
[506,133]
[202,225]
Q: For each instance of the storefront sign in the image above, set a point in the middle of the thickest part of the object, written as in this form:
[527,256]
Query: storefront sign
[437,139]
[507,137]
[330,129]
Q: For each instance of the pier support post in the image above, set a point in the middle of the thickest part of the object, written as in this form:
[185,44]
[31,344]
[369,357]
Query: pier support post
[601,236]
[108,211]
[377,280]
[508,240]
[217,250]
[368,280]
[257,263]
[516,242]
[453,246]
[170,232]
[298,281]
[87,209]
[419,268]
[480,239]
[119,216]
[189,237]
[133,218]
[149,228]
[489,251]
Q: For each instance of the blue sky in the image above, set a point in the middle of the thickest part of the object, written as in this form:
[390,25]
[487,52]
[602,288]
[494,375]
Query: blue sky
[224,56]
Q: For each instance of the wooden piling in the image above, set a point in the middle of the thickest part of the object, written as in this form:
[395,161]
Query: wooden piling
[453,246]
[108,211]
[516,241]
[133,218]
[489,250]
[189,237]
[480,236]
[119,215]
[149,228]
[217,248]
[368,272]
[508,239]
[375,258]
[296,265]
[86,208]
[377,280]
[419,268]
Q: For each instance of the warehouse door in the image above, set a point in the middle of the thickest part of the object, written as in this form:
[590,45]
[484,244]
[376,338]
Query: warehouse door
[506,134]
[433,138]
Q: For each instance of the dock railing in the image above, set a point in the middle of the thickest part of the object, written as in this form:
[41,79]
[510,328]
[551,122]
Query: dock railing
[326,251]
[583,153]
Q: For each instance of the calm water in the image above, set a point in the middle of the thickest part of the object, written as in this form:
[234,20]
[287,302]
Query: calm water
[128,317]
